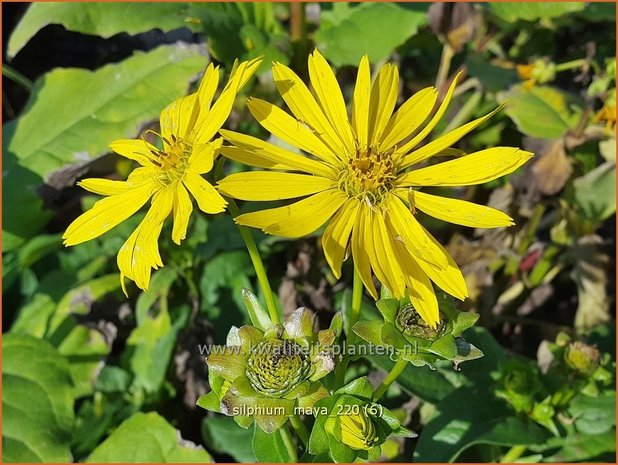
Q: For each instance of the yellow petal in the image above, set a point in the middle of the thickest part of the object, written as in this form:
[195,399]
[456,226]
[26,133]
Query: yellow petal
[183,207]
[383,98]
[385,256]
[135,149]
[105,186]
[422,295]
[434,121]
[266,185]
[359,250]
[331,100]
[203,156]
[179,117]
[304,107]
[408,117]
[360,104]
[140,253]
[337,233]
[475,168]
[256,152]
[288,129]
[223,106]
[461,212]
[208,199]
[106,214]
[445,141]
[297,219]
[206,91]
[247,72]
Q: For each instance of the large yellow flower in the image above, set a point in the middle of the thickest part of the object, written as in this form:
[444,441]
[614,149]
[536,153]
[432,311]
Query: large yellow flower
[188,126]
[357,175]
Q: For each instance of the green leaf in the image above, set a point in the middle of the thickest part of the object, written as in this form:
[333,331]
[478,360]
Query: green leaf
[512,11]
[72,116]
[223,435]
[37,402]
[347,33]
[148,437]
[257,314]
[151,346]
[471,416]
[100,19]
[270,447]
[594,415]
[595,192]
[581,447]
[540,112]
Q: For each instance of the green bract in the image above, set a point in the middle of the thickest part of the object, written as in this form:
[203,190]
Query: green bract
[271,374]
[404,332]
[351,425]
[518,384]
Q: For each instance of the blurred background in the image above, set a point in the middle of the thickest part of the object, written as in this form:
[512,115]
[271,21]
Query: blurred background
[77,76]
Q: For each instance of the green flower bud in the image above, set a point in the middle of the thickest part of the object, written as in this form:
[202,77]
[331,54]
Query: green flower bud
[519,384]
[358,431]
[582,358]
[409,322]
[276,366]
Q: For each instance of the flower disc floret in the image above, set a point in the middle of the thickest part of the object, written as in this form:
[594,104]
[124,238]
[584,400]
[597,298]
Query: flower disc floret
[276,366]
[410,322]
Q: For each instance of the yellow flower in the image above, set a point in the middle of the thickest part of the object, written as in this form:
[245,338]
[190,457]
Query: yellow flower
[357,177]
[188,126]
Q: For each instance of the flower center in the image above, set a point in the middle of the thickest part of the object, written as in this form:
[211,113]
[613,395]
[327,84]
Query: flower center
[368,174]
[277,366]
[409,322]
[173,160]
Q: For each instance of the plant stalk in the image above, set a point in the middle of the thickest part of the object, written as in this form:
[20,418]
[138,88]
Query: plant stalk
[513,454]
[289,443]
[300,428]
[445,65]
[260,271]
[392,375]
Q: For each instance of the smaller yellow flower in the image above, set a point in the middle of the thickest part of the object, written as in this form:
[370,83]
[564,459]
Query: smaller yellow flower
[188,126]
[607,113]
[358,431]
[537,72]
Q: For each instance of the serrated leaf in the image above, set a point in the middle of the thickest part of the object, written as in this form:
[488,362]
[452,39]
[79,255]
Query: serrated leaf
[148,437]
[346,33]
[100,19]
[72,116]
[37,402]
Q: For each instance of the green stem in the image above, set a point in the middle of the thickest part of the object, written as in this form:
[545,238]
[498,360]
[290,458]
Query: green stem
[445,65]
[260,271]
[463,115]
[357,301]
[571,64]
[513,454]
[392,375]
[300,428]
[17,77]
[289,444]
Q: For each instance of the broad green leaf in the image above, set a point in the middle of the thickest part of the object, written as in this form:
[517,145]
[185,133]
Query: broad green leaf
[270,447]
[540,112]
[102,19]
[470,416]
[594,415]
[348,32]
[37,402]
[159,288]
[148,437]
[581,447]
[223,435]
[72,116]
[595,192]
[33,317]
[512,11]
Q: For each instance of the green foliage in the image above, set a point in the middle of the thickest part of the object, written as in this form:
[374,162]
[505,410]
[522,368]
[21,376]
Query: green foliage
[90,375]
[147,437]
[347,32]
[37,402]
